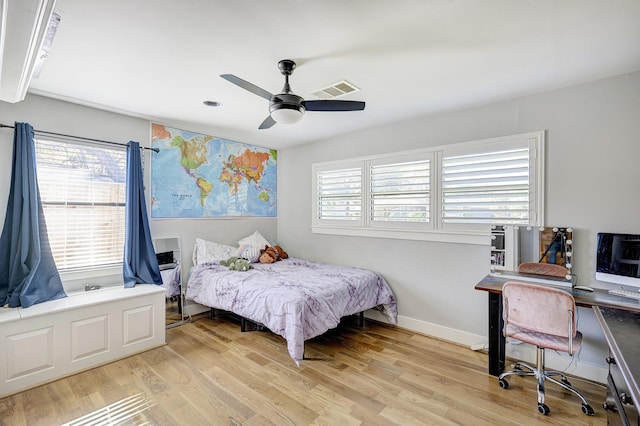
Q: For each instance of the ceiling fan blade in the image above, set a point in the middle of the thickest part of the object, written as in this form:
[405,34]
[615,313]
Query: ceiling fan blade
[267,123]
[324,105]
[247,86]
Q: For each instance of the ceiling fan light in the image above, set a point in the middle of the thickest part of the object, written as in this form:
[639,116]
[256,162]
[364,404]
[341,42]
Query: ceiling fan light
[287,114]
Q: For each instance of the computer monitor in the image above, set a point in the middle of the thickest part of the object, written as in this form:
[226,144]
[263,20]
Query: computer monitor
[618,259]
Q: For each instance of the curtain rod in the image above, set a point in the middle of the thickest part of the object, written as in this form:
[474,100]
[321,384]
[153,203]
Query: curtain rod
[79,137]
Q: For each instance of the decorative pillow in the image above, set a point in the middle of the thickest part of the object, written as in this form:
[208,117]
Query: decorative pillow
[255,240]
[251,253]
[209,251]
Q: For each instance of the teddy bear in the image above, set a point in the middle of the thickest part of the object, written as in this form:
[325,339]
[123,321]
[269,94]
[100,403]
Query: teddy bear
[272,254]
[237,264]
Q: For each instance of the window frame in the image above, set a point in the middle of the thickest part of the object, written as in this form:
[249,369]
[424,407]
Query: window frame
[535,143]
[112,269]
[393,159]
[435,229]
[330,167]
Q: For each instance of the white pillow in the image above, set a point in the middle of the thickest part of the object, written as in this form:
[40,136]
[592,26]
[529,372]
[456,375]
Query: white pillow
[251,253]
[255,240]
[209,251]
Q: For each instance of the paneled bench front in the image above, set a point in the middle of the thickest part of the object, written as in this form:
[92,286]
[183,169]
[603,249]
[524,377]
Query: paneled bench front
[61,337]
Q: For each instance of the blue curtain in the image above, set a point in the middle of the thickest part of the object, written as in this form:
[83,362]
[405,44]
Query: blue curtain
[28,273]
[140,263]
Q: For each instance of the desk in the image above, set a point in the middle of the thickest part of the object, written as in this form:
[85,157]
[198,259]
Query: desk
[622,331]
[493,285]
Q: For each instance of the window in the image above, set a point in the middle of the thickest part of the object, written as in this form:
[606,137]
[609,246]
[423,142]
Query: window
[340,194]
[385,192]
[400,191]
[452,189]
[487,184]
[82,188]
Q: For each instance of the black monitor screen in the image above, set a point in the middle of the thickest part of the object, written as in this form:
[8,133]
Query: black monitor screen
[618,254]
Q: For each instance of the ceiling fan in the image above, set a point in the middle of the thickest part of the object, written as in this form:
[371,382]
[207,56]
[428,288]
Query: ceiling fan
[287,107]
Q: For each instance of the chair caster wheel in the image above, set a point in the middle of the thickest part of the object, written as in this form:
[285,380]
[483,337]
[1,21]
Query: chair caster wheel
[543,409]
[586,409]
[503,383]
[566,382]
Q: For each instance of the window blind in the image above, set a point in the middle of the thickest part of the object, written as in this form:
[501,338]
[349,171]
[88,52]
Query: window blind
[339,194]
[400,192]
[487,187]
[82,188]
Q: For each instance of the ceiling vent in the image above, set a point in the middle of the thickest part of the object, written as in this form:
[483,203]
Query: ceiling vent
[336,90]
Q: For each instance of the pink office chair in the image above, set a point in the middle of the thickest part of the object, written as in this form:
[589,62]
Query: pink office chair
[545,317]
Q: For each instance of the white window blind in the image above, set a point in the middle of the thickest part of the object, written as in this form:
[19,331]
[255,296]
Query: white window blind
[339,194]
[82,188]
[400,192]
[491,186]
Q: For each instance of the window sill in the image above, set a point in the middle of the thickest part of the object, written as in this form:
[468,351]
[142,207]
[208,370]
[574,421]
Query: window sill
[106,276]
[457,237]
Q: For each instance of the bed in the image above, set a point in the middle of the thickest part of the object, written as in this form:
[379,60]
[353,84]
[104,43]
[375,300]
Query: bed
[295,298]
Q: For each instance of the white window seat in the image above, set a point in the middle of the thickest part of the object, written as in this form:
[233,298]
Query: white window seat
[61,337]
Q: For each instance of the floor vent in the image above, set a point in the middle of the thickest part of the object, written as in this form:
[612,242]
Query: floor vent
[336,90]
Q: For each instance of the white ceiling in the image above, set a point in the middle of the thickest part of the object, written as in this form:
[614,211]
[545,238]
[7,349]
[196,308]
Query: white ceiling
[161,59]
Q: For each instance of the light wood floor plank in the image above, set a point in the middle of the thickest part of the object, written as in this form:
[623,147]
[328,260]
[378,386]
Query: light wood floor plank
[211,373]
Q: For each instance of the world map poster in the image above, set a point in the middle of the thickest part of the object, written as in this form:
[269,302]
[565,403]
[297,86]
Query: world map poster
[198,176]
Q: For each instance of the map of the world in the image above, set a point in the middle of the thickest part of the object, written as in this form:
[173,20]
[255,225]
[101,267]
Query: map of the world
[195,175]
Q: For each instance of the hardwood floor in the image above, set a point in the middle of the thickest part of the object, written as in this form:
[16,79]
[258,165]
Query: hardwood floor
[211,373]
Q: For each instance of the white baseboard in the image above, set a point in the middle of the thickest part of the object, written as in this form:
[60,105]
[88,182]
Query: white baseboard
[434,330]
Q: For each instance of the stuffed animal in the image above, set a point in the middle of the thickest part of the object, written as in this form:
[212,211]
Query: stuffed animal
[272,254]
[237,264]
[281,253]
[268,255]
[242,265]
[229,261]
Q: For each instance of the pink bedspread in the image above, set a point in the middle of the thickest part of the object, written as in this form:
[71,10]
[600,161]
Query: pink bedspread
[294,298]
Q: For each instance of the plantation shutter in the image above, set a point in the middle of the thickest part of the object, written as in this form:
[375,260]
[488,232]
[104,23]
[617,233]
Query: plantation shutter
[82,188]
[400,192]
[339,194]
[492,186]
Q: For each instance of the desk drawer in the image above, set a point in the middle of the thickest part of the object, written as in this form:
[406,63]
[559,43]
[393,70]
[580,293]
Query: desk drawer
[620,395]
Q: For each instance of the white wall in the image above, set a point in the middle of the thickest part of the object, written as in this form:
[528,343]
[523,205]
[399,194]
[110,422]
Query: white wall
[592,185]
[62,117]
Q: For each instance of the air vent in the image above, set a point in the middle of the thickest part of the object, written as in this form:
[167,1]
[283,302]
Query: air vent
[336,90]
